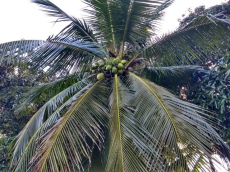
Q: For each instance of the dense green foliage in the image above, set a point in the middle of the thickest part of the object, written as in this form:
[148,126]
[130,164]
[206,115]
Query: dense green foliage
[12,86]
[4,149]
[211,89]
[213,92]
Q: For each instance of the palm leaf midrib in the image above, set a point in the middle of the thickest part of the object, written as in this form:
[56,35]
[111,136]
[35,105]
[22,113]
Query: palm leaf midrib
[67,116]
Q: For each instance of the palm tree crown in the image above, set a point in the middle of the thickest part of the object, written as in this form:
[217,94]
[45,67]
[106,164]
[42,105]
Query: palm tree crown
[100,113]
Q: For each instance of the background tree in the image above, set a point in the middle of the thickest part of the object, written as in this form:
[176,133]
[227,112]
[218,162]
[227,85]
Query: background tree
[210,89]
[220,11]
[213,92]
[12,86]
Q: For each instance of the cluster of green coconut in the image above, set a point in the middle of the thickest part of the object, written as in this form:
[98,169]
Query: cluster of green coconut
[111,66]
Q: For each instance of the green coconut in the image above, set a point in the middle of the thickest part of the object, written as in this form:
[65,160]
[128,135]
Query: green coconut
[114,70]
[123,61]
[109,61]
[115,61]
[94,67]
[120,66]
[103,67]
[93,71]
[108,67]
[100,76]
[118,59]
[120,71]
[102,64]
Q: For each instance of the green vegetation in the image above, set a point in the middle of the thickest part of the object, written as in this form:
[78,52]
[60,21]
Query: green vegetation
[99,96]
[12,85]
[213,92]
[211,89]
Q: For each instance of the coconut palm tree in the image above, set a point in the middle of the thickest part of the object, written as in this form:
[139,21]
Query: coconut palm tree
[99,111]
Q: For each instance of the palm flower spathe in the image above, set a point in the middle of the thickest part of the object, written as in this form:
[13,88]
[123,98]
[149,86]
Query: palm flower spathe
[100,113]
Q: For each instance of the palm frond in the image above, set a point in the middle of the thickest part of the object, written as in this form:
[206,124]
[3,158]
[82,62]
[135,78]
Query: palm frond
[197,44]
[17,50]
[128,144]
[78,26]
[65,145]
[171,77]
[198,21]
[193,45]
[37,120]
[73,31]
[122,21]
[45,91]
[63,54]
[140,17]
[205,19]
[176,124]
[173,82]
[115,160]
[197,160]
[103,21]
[174,70]
[165,5]
[21,163]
